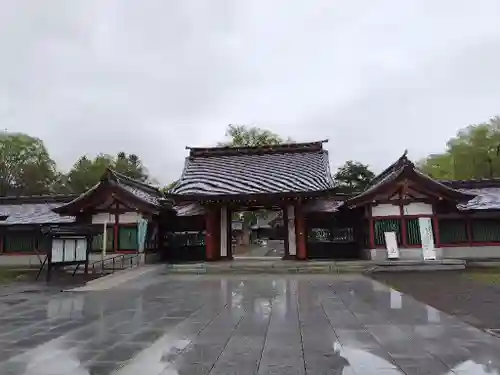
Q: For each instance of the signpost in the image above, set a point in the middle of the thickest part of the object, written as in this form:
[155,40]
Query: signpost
[427,237]
[66,247]
[391,244]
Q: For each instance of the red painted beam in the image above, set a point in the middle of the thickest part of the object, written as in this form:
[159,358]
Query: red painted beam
[300,234]
[210,234]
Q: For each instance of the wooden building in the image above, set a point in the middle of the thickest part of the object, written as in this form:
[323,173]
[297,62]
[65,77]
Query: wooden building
[193,221]
[464,215]
[293,178]
[116,202]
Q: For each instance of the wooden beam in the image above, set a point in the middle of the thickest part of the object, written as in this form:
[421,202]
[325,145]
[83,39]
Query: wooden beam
[116,228]
[300,233]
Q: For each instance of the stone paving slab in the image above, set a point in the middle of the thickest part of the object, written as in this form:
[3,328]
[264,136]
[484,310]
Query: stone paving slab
[159,324]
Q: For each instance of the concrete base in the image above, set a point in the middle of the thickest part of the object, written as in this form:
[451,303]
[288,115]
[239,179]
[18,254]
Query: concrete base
[455,252]
[326,267]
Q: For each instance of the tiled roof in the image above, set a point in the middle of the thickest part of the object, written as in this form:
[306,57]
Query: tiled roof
[32,213]
[486,199]
[145,192]
[254,170]
[404,167]
[191,209]
[136,192]
[323,205]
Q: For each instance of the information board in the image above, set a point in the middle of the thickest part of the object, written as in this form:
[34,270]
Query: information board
[69,249]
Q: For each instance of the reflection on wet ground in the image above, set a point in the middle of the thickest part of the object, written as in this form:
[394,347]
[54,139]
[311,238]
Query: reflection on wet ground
[189,325]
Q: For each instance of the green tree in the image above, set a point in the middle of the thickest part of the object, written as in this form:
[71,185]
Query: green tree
[473,153]
[86,172]
[25,166]
[243,135]
[170,186]
[353,176]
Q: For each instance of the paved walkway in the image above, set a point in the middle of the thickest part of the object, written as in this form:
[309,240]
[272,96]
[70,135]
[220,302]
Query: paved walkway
[192,325]
[271,249]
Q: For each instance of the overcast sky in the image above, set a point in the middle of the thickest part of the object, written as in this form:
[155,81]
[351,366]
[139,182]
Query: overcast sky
[152,76]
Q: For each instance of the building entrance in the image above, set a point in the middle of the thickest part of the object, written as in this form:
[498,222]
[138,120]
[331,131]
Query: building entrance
[258,234]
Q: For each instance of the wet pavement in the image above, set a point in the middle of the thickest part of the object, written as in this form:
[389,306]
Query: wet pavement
[223,325]
[272,249]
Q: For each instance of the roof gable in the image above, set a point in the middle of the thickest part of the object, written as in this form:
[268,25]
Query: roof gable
[132,193]
[404,180]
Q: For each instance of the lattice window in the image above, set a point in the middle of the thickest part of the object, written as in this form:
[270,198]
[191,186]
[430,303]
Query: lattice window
[413,232]
[485,230]
[452,231]
[20,242]
[386,225]
[319,235]
[97,240]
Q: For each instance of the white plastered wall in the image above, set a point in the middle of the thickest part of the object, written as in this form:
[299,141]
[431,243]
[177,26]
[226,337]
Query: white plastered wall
[382,210]
[418,208]
[127,217]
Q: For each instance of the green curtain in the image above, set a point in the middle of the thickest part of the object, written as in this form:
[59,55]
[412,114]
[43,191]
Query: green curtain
[127,238]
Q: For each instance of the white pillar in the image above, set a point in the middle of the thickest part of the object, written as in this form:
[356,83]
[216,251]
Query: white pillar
[223,231]
[292,243]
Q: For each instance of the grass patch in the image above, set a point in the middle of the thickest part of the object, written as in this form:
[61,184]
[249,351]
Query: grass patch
[488,276]
[8,275]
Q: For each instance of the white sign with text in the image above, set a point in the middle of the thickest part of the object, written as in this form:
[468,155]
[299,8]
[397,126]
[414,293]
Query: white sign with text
[428,249]
[391,244]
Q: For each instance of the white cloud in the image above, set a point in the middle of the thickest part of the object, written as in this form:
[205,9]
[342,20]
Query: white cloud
[151,77]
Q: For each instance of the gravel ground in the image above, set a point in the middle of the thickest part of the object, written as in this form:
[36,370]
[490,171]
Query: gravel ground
[456,293]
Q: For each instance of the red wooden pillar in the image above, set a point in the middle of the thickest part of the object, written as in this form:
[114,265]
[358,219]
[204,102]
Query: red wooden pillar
[116,228]
[437,240]
[404,235]
[300,233]
[372,233]
[211,233]
[2,243]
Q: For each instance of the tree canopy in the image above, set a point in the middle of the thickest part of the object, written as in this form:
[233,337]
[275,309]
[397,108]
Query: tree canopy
[473,153]
[86,172]
[25,165]
[243,135]
[353,176]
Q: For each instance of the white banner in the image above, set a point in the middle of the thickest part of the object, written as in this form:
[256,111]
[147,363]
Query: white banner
[428,249]
[391,244]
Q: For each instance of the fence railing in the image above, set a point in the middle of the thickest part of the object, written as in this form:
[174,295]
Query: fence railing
[114,263]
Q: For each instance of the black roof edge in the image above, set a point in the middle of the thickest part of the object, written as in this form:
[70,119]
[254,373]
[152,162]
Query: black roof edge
[24,199]
[135,182]
[242,150]
[472,184]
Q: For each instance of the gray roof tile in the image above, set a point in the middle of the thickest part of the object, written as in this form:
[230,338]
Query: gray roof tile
[255,174]
[486,199]
[32,213]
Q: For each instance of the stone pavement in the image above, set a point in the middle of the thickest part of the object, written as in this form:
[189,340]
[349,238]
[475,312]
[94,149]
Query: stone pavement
[273,248]
[235,324]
